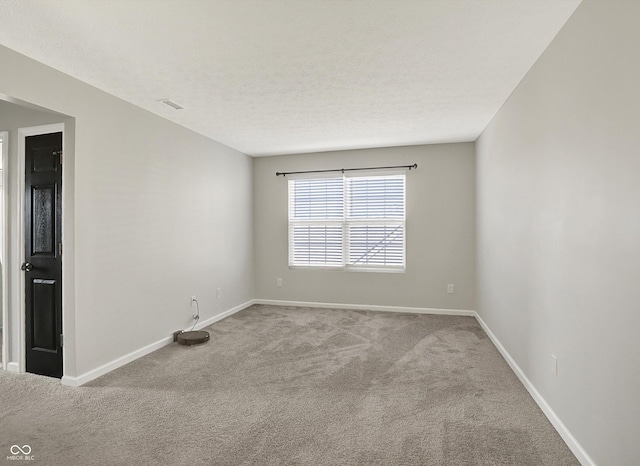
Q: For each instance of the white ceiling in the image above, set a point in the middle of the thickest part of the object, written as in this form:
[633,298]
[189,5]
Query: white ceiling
[287,76]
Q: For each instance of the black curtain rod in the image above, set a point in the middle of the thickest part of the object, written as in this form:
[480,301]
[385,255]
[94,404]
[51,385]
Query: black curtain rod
[414,166]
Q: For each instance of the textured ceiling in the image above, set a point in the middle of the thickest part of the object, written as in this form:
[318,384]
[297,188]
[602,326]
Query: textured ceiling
[286,76]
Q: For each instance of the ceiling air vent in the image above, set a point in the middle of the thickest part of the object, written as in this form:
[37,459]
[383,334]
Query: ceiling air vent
[171,104]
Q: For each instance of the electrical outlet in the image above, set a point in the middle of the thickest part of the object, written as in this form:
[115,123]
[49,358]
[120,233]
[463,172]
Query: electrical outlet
[450,288]
[193,301]
[218,293]
[555,365]
[279,282]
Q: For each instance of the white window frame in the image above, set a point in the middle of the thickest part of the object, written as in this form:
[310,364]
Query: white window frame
[345,222]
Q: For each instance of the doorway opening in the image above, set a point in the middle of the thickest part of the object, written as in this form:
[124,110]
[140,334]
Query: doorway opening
[20,123]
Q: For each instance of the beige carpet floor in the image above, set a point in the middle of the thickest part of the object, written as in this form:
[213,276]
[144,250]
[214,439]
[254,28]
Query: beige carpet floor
[293,386]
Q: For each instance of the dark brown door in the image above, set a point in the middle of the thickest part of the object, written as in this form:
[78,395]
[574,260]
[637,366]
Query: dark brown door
[43,264]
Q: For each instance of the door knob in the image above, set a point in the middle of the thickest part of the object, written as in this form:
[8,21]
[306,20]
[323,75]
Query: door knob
[27,267]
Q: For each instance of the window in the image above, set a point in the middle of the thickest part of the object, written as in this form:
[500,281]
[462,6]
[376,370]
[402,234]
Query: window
[348,222]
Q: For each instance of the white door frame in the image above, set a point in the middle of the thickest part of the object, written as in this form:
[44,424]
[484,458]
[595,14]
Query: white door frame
[4,135]
[19,285]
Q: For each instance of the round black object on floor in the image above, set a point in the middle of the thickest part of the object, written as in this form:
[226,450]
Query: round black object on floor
[194,337]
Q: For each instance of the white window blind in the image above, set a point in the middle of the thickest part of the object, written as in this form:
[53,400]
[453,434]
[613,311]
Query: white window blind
[348,222]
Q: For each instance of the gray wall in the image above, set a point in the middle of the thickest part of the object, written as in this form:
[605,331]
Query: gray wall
[558,208]
[161,213]
[440,231]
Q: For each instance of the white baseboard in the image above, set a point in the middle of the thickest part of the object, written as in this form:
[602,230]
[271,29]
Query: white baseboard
[368,307]
[108,367]
[568,438]
[13,367]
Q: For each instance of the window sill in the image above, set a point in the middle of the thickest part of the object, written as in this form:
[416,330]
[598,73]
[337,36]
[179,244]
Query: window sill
[346,269]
